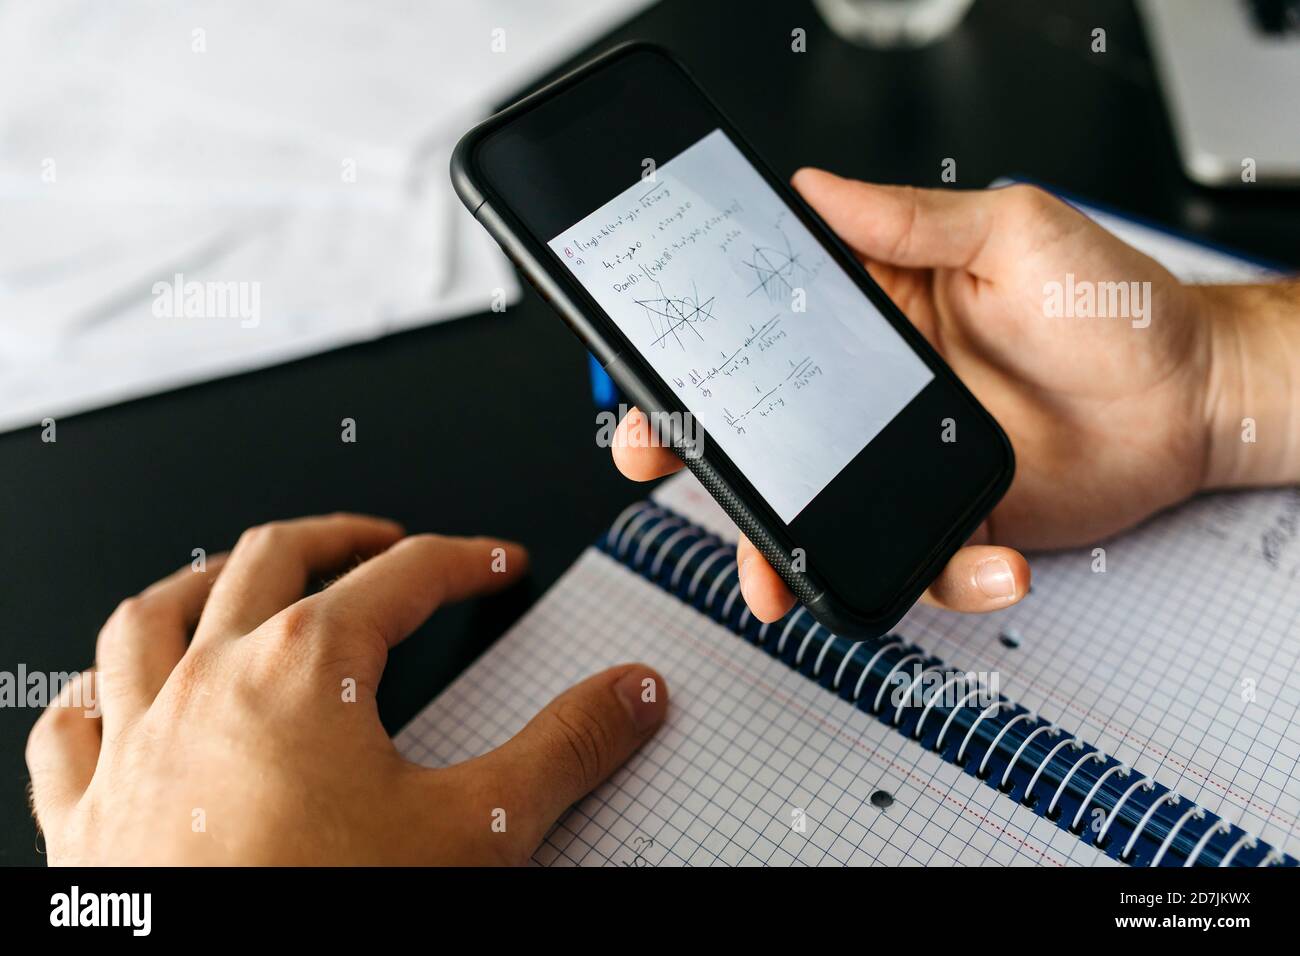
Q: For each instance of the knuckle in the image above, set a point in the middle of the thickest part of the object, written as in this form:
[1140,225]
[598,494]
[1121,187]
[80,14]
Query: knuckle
[39,737]
[305,645]
[298,623]
[1026,201]
[292,645]
[586,740]
[129,617]
[131,612]
[904,239]
[421,542]
[56,719]
[262,537]
[434,551]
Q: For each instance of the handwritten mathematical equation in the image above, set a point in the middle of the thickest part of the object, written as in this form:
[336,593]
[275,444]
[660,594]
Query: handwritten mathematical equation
[668,222]
[802,374]
[762,393]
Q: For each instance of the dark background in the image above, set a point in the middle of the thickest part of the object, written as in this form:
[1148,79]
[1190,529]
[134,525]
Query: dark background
[486,424]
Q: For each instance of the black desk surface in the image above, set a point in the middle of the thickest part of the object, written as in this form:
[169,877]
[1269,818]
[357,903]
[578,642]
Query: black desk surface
[486,424]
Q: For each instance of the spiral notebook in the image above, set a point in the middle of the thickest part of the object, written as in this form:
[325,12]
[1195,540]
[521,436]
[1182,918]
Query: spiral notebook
[1148,706]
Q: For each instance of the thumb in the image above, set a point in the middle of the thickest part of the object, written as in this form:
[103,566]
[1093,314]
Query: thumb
[577,741]
[904,226]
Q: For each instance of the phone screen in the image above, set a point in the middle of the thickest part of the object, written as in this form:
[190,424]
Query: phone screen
[766,340]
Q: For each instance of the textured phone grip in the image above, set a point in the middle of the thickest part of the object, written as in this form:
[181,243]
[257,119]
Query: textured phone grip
[805,590]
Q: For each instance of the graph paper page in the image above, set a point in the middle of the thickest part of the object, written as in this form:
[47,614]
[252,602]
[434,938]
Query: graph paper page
[748,741]
[1180,658]
[1176,649]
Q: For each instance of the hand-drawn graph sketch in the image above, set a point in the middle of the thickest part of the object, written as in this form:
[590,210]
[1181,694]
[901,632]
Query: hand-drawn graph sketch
[672,317]
[778,271]
[767,341]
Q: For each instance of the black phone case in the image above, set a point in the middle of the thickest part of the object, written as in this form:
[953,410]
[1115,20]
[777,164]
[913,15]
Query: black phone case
[514,240]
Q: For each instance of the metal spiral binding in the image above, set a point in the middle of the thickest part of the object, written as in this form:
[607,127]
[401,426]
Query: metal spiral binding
[920,721]
[1051,732]
[938,744]
[721,552]
[1038,771]
[998,739]
[684,561]
[1095,755]
[1170,798]
[616,529]
[731,599]
[902,702]
[785,634]
[992,708]
[798,657]
[717,583]
[667,546]
[1221,827]
[1195,813]
[1247,840]
[1146,783]
[913,656]
[866,671]
[649,539]
[1119,768]
[645,515]
[821,657]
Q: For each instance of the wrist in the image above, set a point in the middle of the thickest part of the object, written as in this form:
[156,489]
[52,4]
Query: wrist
[1252,395]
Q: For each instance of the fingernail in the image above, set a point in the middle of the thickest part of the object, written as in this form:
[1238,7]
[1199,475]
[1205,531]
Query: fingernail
[995,579]
[642,695]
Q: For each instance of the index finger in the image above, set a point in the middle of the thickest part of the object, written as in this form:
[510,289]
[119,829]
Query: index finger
[272,565]
[392,594]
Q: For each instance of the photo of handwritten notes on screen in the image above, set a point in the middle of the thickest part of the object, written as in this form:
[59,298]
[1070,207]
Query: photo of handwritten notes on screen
[766,339]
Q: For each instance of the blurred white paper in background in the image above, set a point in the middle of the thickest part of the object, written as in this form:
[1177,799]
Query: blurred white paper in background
[294,153]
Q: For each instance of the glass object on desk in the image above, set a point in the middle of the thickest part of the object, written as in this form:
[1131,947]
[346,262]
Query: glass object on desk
[892,23]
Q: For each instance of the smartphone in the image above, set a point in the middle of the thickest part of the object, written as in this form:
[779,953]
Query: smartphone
[823,423]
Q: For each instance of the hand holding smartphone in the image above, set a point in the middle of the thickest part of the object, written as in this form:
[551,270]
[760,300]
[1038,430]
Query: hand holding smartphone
[821,421]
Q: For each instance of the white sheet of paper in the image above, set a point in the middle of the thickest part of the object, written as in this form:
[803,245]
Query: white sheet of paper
[299,147]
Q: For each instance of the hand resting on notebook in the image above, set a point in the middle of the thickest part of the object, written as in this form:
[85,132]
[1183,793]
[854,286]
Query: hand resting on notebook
[1112,418]
[259,742]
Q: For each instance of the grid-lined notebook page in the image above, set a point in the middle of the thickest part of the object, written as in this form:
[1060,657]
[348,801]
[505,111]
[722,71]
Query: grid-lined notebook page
[748,742]
[1176,649]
